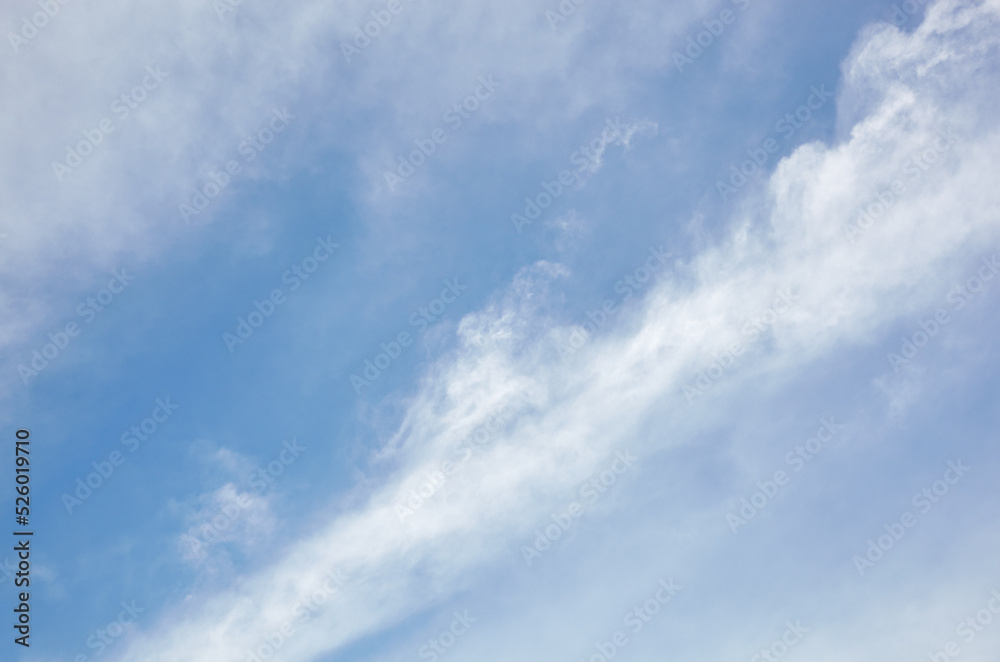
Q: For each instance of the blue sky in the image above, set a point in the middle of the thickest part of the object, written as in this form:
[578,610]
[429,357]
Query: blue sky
[511,366]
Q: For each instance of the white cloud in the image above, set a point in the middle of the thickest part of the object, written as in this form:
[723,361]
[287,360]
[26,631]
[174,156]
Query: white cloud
[120,206]
[226,516]
[571,415]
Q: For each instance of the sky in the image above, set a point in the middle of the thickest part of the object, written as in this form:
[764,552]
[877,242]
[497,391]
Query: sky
[389,331]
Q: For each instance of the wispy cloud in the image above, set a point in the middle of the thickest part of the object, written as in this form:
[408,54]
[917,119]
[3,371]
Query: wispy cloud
[566,417]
